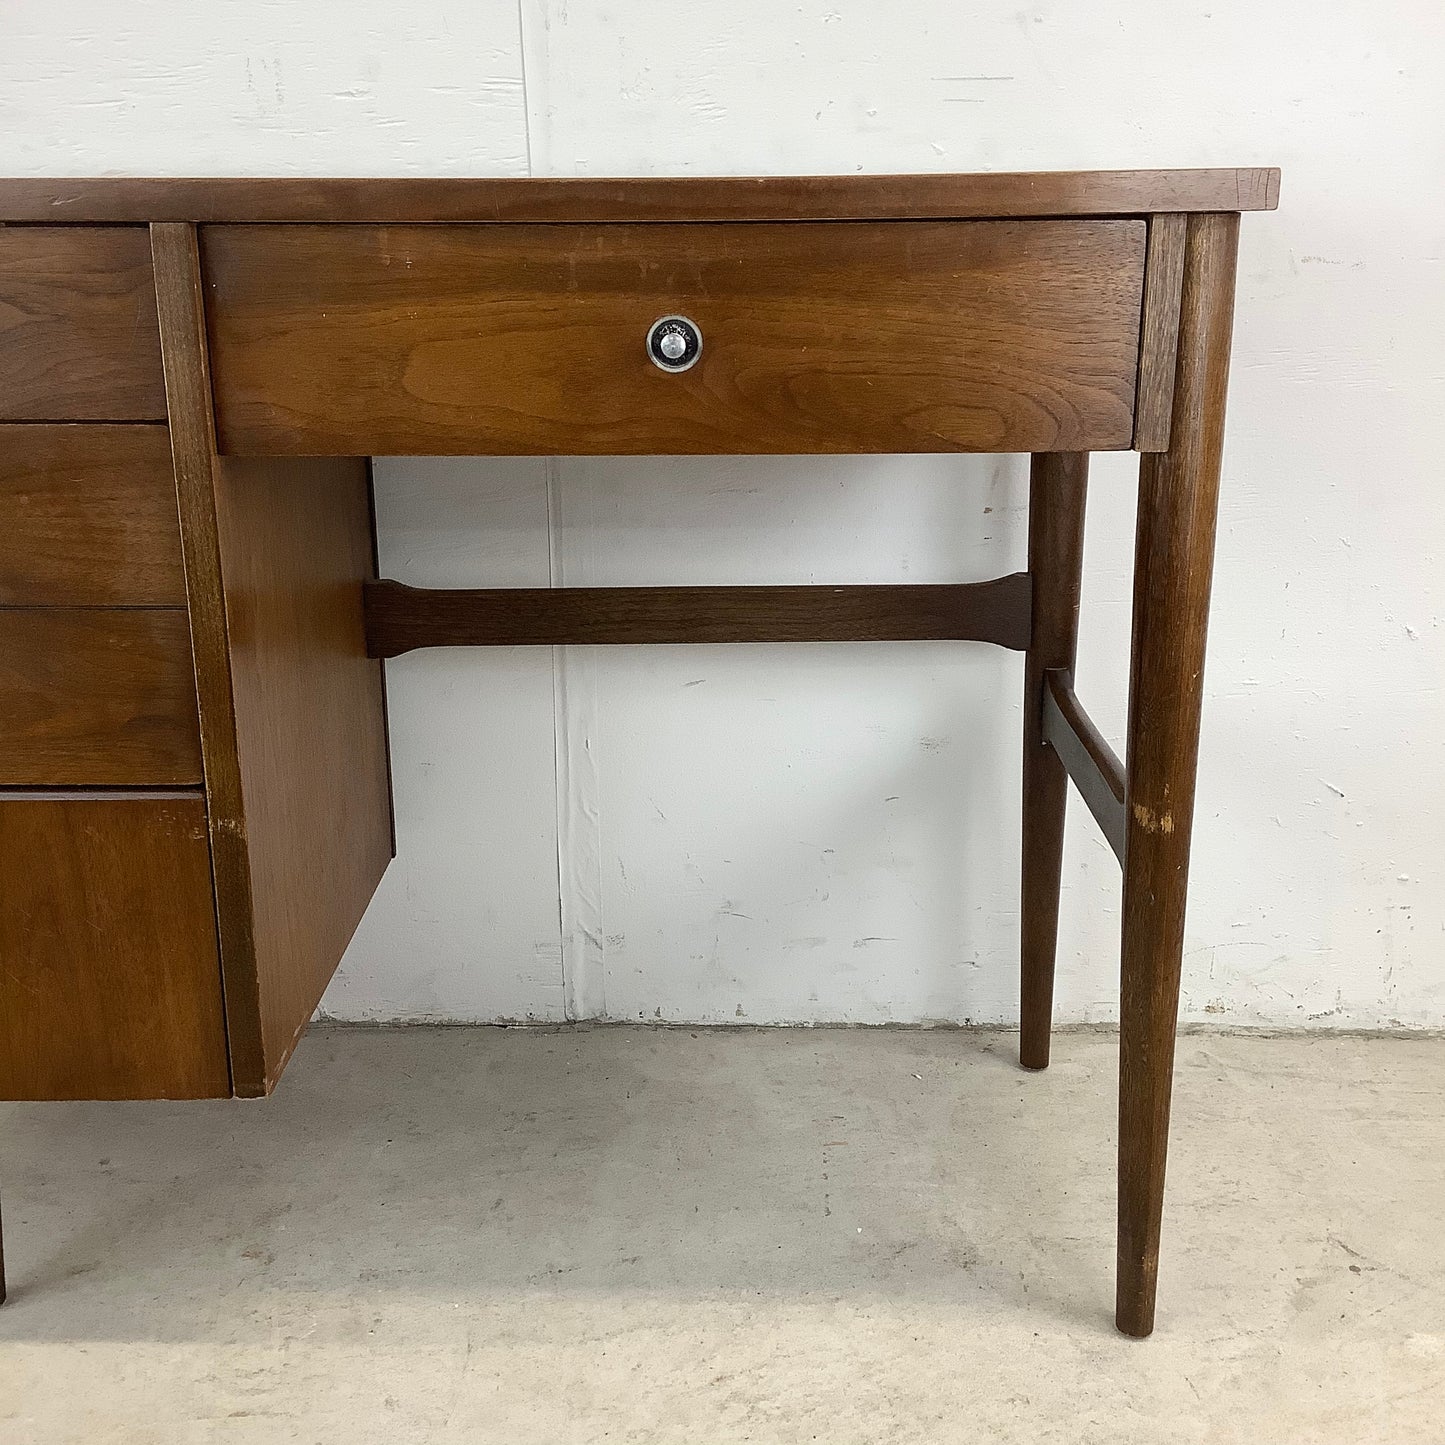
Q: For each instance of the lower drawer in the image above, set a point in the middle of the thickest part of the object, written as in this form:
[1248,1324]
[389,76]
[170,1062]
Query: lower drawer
[97,697]
[110,981]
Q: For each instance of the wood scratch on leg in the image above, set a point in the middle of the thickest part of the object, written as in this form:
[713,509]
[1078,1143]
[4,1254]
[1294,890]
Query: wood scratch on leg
[1152,822]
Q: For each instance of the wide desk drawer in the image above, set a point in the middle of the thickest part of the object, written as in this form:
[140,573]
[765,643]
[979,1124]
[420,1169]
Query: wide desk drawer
[78,334]
[97,696]
[908,336]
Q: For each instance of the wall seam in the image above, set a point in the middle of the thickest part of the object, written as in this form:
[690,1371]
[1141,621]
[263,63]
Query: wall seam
[579,826]
[526,100]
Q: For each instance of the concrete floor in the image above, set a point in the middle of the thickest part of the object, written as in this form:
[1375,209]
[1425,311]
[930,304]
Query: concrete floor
[622,1234]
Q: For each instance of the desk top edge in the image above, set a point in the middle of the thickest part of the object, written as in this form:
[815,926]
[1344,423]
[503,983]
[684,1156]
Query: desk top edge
[117,200]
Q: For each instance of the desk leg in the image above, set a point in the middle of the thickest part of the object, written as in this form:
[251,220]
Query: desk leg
[1174,558]
[1057,484]
[2,1259]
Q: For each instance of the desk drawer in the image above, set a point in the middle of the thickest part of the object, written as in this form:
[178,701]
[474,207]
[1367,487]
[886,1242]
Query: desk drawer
[97,696]
[88,517]
[78,333]
[111,986]
[816,337]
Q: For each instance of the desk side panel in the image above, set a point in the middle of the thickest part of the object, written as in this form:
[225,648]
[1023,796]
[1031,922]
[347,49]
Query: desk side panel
[296,546]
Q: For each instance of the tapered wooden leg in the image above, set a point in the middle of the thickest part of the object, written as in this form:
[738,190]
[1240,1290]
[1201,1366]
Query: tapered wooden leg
[1057,485]
[1174,558]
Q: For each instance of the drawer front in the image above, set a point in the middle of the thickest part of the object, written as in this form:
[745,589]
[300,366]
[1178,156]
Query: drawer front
[88,517]
[817,337]
[111,985]
[78,333]
[93,697]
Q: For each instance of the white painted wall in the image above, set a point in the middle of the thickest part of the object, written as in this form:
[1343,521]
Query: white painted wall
[830,833]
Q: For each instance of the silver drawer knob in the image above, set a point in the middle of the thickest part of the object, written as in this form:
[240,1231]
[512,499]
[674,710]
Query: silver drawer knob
[674,343]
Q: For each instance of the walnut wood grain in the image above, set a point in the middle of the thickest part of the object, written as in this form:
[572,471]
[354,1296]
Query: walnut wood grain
[1159,332]
[111,987]
[1086,755]
[292,710]
[193,452]
[400,618]
[88,517]
[1174,557]
[296,547]
[97,696]
[917,336]
[1058,486]
[650,198]
[78,335]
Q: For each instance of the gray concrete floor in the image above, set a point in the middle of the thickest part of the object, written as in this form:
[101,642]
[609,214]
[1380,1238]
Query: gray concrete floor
[622,1234]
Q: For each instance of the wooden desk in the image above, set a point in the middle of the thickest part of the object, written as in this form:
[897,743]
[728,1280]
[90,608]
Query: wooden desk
[194,795]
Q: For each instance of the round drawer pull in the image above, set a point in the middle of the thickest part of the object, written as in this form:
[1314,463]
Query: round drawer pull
[674,343]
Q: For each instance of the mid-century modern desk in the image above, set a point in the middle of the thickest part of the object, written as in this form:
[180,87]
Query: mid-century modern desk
[195,805]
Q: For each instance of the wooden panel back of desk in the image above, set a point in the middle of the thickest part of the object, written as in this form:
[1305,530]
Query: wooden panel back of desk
[818,337]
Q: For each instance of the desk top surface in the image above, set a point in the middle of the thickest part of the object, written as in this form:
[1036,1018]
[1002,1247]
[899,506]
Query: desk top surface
[403,200]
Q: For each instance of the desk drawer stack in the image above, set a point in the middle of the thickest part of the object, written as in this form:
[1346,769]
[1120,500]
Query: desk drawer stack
[109,915]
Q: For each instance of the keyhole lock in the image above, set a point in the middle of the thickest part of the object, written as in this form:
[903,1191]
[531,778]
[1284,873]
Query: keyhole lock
[674,343]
